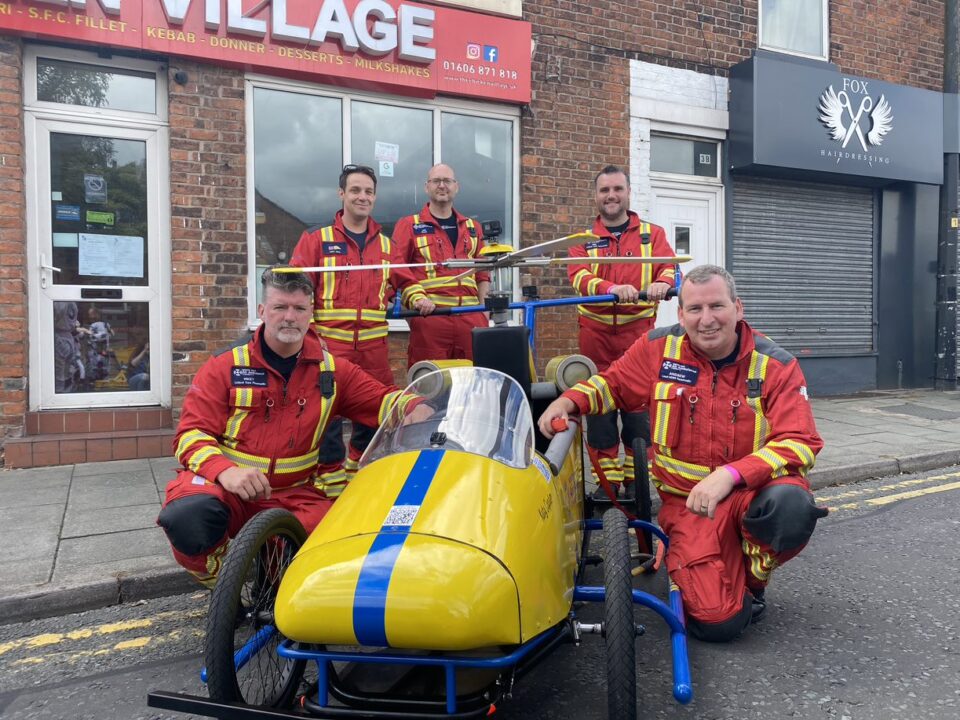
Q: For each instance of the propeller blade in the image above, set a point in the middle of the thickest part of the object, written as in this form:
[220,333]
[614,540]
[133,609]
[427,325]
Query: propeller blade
[348,268]
[550,246]
[666,260]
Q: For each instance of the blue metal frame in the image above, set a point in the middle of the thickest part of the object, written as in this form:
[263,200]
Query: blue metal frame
[671,614]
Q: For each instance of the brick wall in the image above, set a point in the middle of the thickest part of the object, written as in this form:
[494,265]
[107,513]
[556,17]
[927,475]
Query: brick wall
[208,216]
[13,236]
[578,119]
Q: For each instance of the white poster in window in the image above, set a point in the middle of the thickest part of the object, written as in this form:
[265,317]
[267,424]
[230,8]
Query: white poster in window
[386,168]
[386,152]
[111,255]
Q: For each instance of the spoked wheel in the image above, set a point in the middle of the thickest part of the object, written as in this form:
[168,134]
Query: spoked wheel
[242,640]
[618,626]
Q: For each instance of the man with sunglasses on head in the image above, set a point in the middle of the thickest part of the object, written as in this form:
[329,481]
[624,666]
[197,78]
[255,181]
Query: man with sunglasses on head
[350,307]
[436,234]
[249,430]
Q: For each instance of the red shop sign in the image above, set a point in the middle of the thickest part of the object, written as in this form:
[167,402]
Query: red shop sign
[385,45]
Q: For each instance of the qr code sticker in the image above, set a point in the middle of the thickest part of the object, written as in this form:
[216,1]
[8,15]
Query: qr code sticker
[402,515]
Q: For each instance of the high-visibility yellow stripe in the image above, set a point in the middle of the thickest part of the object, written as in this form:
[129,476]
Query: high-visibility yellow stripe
[328,364]
[201,456]
[761,563]
[761,428]
[797,448]
[672,347]
[688,471]
[191,438]
[259,462]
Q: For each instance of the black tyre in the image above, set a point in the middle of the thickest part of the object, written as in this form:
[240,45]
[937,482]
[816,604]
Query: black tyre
[619,629]
[642,488]
[242,606]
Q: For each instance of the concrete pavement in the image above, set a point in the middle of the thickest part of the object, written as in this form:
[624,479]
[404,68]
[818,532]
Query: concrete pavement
[75,537]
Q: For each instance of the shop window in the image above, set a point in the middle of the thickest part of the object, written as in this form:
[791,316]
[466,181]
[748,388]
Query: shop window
[684,156]
[301,140]
[481,152]
[799,27]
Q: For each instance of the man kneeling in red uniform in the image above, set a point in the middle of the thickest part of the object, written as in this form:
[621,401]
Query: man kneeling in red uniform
[733,439]
[251,425]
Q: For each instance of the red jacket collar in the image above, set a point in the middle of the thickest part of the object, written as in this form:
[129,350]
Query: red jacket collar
[427,216]
[373,227]
[312,347]
[633,222]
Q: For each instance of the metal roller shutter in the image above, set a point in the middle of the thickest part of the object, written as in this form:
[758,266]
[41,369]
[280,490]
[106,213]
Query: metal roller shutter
[803,256]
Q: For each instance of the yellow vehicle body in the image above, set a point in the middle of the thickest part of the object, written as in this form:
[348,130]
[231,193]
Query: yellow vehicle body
[487,556]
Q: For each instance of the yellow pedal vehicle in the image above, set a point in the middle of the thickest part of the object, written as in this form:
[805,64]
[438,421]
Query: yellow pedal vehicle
[453,562]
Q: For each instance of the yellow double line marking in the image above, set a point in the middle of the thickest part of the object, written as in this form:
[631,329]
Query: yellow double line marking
[831,500]
[49,640]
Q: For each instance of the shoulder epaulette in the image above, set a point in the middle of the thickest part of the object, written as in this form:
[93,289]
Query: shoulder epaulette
[766,346]
[240,341]
[675,330]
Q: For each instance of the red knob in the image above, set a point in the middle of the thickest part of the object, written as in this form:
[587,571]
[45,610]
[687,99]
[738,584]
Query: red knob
[558,425]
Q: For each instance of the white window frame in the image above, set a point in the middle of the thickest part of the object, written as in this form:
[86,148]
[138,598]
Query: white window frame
[824,35]
[437,106]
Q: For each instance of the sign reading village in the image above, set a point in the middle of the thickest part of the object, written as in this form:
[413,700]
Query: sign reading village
[390,45]
[800,115]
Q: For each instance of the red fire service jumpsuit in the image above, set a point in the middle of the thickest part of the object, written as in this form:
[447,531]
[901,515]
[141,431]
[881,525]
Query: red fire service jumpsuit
[350,314]
[240,412]
[422,240]
[752,415]
[608,329]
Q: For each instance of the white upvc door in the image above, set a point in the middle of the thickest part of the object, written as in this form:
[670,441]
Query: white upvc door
[98,261]
[692,216]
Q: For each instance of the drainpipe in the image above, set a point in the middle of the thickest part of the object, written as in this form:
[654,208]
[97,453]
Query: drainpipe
[945,377]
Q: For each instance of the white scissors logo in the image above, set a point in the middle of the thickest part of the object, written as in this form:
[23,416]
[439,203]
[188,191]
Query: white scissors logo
[832,107]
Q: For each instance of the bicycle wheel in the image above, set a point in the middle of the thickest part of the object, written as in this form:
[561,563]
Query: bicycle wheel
[240,624]
[619,630]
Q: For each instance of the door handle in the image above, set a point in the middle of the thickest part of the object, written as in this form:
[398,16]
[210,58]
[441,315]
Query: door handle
[45,267]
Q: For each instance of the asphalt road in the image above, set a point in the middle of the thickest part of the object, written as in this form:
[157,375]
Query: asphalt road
[861,626]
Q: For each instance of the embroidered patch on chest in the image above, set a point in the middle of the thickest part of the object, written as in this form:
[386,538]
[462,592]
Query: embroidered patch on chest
[334,248]
[424,229]
[248,377]
[673,371]
[598,244]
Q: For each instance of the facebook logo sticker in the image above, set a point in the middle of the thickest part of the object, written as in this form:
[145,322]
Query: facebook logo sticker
[491,53]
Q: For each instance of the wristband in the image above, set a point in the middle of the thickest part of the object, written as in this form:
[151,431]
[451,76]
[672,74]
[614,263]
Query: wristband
[737,477]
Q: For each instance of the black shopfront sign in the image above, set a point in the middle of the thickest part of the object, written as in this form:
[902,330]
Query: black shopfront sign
[795,115]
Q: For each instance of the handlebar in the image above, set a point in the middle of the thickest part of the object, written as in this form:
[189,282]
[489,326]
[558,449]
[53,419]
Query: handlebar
[524,305]
[560,444]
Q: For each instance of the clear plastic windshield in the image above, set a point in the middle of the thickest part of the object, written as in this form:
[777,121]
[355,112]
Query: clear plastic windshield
[474,410]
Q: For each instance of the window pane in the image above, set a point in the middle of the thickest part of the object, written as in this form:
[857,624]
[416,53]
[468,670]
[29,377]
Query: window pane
[101,346]
[94,86]
[671,155]
[98,210]
[405,134]
[794,25]
[298,153]
[686,157]
[480,150]
[681,240]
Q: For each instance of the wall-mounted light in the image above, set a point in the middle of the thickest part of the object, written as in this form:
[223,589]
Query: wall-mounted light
[180,77]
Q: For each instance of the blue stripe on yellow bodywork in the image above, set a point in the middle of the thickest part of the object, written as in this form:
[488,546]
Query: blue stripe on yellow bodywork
[370,598]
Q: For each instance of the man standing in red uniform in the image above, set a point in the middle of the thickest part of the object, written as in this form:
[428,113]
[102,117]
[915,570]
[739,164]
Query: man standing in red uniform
[350,308]
[435,234]
[608,329]
[251,425]
[733,439]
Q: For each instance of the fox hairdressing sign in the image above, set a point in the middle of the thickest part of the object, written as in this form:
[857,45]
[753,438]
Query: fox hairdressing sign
[811,117]
[389,45]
